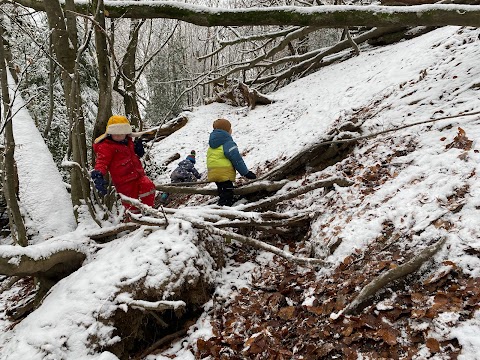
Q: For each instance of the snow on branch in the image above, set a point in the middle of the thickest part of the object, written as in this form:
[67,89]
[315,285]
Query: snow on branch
[40,258]
[148,305]
[337,16]
[197,220]
[257,244]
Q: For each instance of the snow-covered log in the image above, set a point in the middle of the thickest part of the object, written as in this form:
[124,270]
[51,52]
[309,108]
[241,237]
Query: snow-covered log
[337,16]
[53,257]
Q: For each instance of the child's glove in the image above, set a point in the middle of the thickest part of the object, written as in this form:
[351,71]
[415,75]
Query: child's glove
[250,175]
[138,147]
[99,181]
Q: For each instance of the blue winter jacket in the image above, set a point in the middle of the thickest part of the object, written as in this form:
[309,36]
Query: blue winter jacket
[185,172]
[230,150]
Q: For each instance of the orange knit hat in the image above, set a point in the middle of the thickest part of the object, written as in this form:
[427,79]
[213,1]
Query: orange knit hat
[222,124]
[118,125]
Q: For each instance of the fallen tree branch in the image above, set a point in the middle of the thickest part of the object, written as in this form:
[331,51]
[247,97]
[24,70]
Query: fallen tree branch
[314,154]
[170,159]
[162,131]
[394,274]
[105,234]
[290,222]
[294,193]
[309,155]
[369,136]
[201,224]
[212,215]
[257,244]
[161,305]
[250,188]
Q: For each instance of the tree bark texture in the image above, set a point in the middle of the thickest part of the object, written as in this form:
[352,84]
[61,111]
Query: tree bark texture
[104,81]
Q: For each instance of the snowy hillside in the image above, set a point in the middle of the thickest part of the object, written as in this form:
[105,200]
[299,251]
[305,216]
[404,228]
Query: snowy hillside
[412,188]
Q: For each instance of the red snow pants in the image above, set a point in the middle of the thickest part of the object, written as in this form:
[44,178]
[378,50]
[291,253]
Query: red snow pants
[142,189]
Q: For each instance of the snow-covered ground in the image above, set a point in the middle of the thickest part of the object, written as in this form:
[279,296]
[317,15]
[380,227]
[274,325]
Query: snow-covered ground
[408,178]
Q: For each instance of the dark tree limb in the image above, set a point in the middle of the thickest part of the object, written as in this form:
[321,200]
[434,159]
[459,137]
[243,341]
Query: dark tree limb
[162,131]
[106,234]
[253,187]
[394,274]
[171,159]
[268,202]
[324,152]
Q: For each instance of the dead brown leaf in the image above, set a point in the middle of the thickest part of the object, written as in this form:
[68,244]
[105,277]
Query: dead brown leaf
[433,345]
[286,313]
[389,335]
[461,141]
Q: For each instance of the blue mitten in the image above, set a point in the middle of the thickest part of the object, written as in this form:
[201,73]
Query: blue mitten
[100,182]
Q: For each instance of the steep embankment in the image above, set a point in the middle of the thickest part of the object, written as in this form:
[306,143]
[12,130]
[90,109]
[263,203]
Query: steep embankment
[412,188]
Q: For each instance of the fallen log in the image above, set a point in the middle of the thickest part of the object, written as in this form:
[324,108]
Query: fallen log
[107,234]
[268,202]
[35,259]
[161,132]
[321,154]
[295,221]
[394,274]
[250,188]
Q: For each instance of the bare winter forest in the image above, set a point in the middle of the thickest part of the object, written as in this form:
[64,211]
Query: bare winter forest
[358,239]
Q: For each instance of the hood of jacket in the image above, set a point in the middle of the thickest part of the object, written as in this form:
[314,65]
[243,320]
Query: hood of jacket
[218,137]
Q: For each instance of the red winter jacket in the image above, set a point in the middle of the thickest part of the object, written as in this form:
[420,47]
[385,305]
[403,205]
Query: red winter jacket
[119,159]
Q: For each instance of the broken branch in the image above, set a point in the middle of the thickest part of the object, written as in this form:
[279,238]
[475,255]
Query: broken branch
[394,274]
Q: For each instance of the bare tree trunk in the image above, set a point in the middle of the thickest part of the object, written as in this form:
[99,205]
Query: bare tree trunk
[104,72]
[14,214]
[51,69]
[127,74]
[64,42]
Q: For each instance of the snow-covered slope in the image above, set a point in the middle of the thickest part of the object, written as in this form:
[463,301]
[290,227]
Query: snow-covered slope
[411,187]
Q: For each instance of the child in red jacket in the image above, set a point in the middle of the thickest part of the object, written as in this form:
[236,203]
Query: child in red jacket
[117,154]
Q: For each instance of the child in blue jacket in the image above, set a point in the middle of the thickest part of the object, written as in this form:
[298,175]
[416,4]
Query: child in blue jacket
[224,160]
[184,172]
